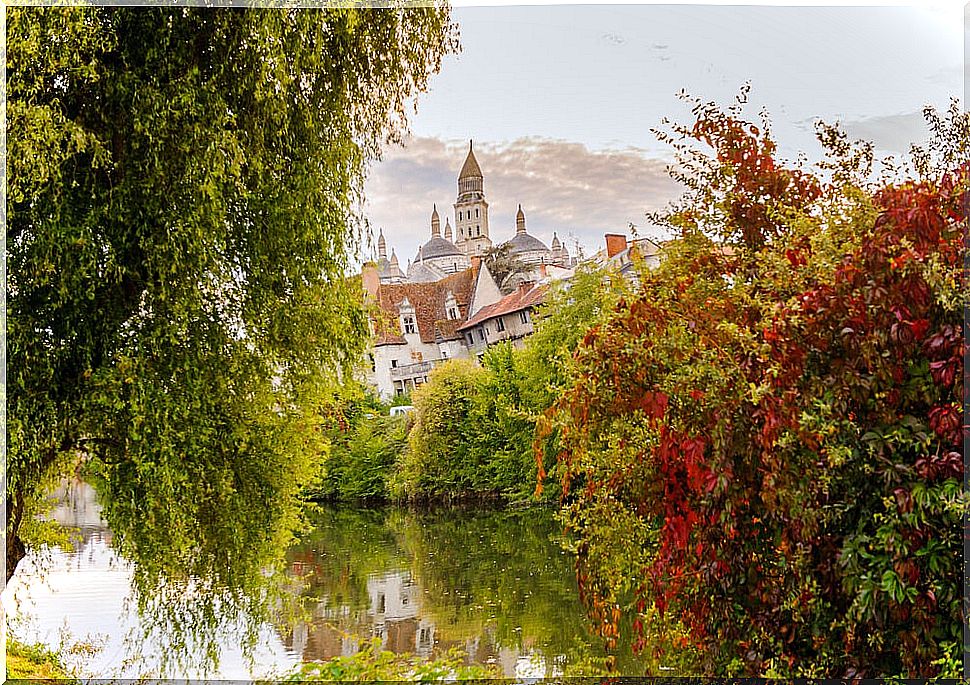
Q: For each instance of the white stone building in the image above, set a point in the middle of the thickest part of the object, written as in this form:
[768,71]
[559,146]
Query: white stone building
[416,324]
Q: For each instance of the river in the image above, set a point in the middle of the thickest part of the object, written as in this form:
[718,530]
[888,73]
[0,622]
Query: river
[494,583]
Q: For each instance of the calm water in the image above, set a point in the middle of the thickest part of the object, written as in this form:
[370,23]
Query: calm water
[495,584]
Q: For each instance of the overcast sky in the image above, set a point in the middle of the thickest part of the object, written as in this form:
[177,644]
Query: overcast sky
[560,100]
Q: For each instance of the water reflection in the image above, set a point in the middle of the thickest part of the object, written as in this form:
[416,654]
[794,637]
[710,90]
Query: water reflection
[495,584]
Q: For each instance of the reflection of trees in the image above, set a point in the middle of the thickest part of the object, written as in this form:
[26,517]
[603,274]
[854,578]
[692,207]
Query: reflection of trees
[344,548]
[499,573]
[494,583]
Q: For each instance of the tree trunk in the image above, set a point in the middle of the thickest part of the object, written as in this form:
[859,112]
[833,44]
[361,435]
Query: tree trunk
[15,546]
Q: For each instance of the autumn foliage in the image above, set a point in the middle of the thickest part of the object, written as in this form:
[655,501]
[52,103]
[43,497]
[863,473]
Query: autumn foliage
[777,412]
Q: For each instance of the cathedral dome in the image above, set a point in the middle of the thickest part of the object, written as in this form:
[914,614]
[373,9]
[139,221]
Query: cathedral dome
[437,247]
[523,242]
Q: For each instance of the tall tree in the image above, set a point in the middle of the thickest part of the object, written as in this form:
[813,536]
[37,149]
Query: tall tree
[184,199]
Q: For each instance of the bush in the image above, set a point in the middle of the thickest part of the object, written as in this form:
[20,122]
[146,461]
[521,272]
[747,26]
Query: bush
[776,413]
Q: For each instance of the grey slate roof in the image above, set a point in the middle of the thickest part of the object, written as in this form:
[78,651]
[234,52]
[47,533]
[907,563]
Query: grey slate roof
[438,247]
[523,242]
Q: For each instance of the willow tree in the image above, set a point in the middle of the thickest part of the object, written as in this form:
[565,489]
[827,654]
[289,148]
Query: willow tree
[184,200]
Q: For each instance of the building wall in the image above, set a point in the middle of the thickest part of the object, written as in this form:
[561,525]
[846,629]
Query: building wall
[383,354]
[467,227]
[515,329]
[413,352]
[452,349]
[449,265]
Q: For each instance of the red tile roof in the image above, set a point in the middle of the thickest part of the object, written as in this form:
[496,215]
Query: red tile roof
[428,300]
[521,299]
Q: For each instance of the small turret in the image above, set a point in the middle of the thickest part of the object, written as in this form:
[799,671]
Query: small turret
[381,246]
[435,223]
[448,229]
[520,221]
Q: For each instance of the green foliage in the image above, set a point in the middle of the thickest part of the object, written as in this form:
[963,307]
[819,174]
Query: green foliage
[772,421]
[34,662]
[438,462]
[502,264]
[475,427]
[363,444]
[497,575]
[185,185]
[372,664]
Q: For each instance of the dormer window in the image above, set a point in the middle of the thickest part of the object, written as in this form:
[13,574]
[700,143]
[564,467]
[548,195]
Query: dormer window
[409,323]
[451,307]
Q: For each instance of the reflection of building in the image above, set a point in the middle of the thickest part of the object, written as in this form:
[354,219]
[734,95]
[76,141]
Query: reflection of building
[393,614]
[77,508]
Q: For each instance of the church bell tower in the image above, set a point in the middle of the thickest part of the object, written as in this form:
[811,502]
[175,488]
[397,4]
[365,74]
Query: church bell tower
[471,210]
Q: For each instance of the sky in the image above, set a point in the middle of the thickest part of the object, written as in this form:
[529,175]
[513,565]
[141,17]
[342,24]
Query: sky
[560,101]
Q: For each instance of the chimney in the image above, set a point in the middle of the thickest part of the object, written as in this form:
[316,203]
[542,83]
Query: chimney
[615,244]
[542,271]
[525,287]
[370,278]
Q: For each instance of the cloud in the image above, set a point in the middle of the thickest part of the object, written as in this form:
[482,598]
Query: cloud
[892,133]
[562,186]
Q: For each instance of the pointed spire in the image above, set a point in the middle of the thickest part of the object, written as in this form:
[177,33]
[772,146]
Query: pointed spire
[381,246]
[520,221]
[470,168]
[435,223]
[448,229]
[555,241]
[394,261]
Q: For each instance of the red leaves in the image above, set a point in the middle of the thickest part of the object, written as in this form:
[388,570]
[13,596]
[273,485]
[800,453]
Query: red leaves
[654,404]
[934,467]
[946,422]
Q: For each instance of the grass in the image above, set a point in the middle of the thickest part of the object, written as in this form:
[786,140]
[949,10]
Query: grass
[34,662]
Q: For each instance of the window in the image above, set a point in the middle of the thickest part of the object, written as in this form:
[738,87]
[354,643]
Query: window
[453,313]
[381,604]
[478,230]
[409,325]
[444,354]
[394,363]
[471,340]
[499,324]
[524,316]
[481,334]
[476,213]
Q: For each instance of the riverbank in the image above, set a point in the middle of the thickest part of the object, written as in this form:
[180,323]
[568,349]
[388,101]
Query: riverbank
[34,662]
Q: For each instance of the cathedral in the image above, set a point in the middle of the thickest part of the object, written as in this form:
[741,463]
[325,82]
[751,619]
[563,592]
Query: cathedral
[453,251]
